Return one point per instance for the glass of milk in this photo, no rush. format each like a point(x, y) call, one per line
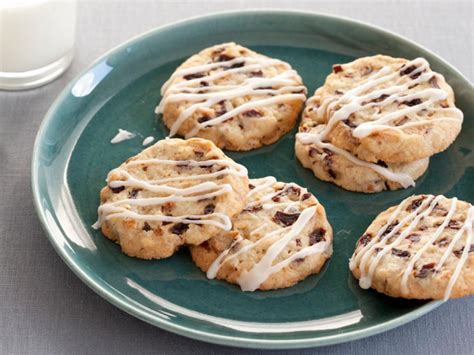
point(36, 41)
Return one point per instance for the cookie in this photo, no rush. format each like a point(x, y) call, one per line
point(281, 237)
point(423, 248)
point(173, 193)
point(235, 97)
point(386, 109)
point(333, 164)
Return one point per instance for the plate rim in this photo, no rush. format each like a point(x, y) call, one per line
point(111, 295)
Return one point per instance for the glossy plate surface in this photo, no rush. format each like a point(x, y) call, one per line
point(73, 155)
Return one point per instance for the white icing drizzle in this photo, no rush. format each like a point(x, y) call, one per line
point(403, 179)
point(361, 97)
point(148, 140)
point(251, 280)
point(260, 185)
point(466, 228)
point(366, 278)
point(282, 88)
point(122, 135)
point(202, 190)
point(433, 238)
point(379, 242)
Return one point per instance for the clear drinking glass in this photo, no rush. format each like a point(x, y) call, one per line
point(36, 41)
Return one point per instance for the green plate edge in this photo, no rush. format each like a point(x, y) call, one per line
point(114, 297)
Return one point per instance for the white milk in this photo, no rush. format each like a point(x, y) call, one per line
point(36, 41)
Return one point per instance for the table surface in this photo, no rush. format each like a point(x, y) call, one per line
point(46, 309)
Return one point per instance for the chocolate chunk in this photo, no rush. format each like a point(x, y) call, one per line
point(317, 236)
point(146, 227)
point(413, 102)
point(377, 250)
point(179, 228)
point(328, 152)
point(253, 209)
point(305, 196)
point(380, 98)
point(205, 245)
point(401, 121)
point(415, 204)
point(347, 122)
point(116, 190)
point(459, 252)
point(332, 173)
point(407, 70)
point(413, 237)
point(203, 119)
point(434, 82)
point(285, 219)
point(365, 239)
point(251, 187)
point(401, 253)
point(382, 163)
point(224, 58)
point(298, 242)
point(414, 76)
point(293, 190)
point(209, 208)
point(337, 68)
point(257, 73)
point(183, 164)
point(165, 223)
point(439, 211)
point(222, 110)
point(367, 70)
point(455, 224)
point(264, 88)
point(198, 153)
point(425, 271)
point(134, 193)
point(193, 76)
point(390, 228)
point(301, 91)
point(236, 65)
point(252, 113)
point(204, 83)
point(442, 242)
point(338, 92)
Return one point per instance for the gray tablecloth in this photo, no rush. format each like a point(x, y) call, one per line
point(45, 309)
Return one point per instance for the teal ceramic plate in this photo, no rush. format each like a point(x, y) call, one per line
point(73, 155)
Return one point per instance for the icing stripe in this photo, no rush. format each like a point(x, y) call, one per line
point(429, 242)
point(403, 179)
point(252, 279)
point(366, 277)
